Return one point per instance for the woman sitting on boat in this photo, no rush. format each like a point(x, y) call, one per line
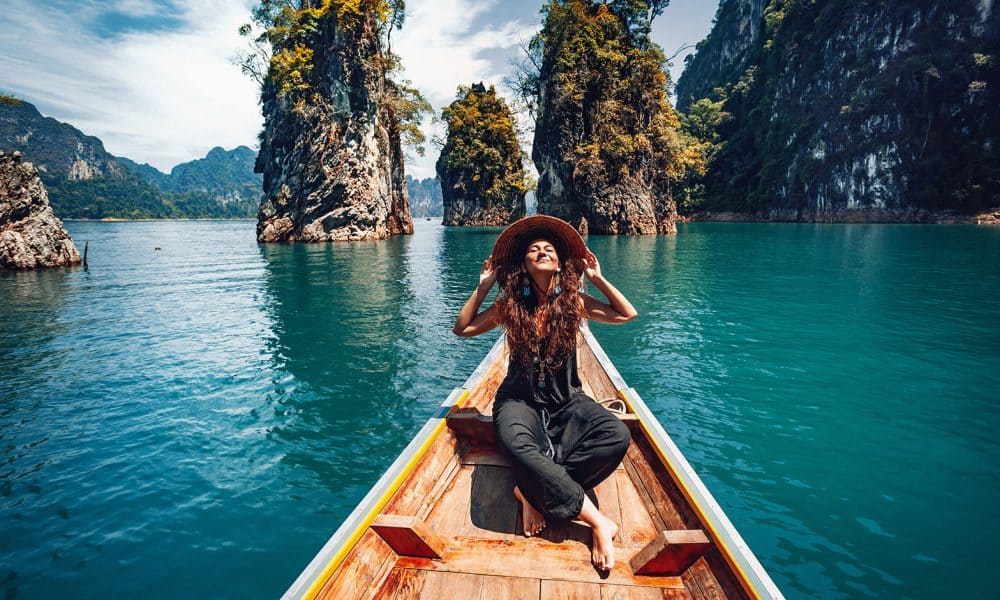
point(561, 441)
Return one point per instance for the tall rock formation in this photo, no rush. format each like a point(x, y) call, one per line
point(30, 234)
point(330, 151)
point(607, 142)
point(850, 109)
point(480, 169)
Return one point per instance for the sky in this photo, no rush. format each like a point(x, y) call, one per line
point(153, 79)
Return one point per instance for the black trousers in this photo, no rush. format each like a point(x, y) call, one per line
point(558, 455)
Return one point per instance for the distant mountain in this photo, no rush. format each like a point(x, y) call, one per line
point(86, 181)
point(425, 197)
point(226, 176)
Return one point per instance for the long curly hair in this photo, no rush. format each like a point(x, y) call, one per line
point(560, 316)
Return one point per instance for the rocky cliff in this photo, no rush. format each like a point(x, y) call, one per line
point(54, 147)
point(847, 110)
point(30, 234)
point(724, 54)
point(425, 197)
point(330, 151)
point(607, 142)
point(480, 169)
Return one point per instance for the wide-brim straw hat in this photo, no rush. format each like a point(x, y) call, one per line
point(509, 248)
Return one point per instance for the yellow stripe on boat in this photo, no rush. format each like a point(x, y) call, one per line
point(348, 545)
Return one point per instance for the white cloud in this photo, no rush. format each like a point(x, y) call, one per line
point(440, 51)
point(161, 97)
point(168, 96)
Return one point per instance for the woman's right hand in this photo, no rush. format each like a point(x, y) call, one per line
point(488, 275)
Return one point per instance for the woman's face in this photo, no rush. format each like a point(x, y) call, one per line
point(541, 257)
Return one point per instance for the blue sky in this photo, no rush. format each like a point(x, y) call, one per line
point(153, 79)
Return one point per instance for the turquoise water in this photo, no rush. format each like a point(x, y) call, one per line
point(196, 421)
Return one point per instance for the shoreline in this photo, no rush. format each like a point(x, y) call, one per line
point(874, 217)
point(870, 216)
point(120, 220)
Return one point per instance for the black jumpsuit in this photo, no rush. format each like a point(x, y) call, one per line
point(561, 441)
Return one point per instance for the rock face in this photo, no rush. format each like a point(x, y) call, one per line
point(482, 178)
point(55, 147)
point(330, 151)
point(738, 23)
point(846, 110)
point(30, 234)
point(425, 197)
point(607, 141)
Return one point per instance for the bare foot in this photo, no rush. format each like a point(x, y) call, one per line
point(532, 520)
point(603, 552)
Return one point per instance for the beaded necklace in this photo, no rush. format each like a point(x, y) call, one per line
point(546, 364)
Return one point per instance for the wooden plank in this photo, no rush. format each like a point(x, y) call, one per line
point(358, 571)
point(593, 373)
point(417, 584)
point(450, 515)
point(677, 595)
point(408, 536)
point(671, 508)
point(510, 588)
point(723, 575)
point(671, 553)
point(480, 503)
point(631, 592)
point(387, 590)
point(444, 480)
point(481, 396)
point(415, 491)
point(486, 455)
point(534, 558)
point(637, 527)
point(570, 590)
point(701, 583)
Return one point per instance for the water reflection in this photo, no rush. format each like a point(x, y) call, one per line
point(337, 321)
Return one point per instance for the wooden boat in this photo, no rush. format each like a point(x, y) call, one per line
point(443, 522)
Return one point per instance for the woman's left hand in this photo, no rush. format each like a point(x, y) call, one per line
point(593, 268)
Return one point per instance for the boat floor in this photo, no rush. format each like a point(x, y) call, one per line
point(481, 521)
point(460, 501)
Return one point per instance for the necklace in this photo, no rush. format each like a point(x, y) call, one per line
point(542, 367)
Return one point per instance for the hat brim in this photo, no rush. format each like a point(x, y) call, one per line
point(505, 249)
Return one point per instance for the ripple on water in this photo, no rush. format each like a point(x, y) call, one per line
point(219, 413)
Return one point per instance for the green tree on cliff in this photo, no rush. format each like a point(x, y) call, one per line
point(282, 36)
point(481, 163)
point(605, 119)
point(819, 91)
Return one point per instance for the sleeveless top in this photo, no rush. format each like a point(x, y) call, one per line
point(559, 384)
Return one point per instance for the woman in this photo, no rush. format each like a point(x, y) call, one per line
point(561, 441)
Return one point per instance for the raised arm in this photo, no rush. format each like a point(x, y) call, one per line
point(470, 321)
point(617, 309)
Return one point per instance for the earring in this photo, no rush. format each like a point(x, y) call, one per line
point(527, 287)
point(557, 289)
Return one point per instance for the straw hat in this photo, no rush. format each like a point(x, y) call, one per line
point(511, 245)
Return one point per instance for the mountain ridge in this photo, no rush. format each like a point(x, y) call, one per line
point(84, 180)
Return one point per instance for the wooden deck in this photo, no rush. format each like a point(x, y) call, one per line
point(453, 529)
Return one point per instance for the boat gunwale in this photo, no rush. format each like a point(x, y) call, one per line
point(748, 569)
point(343, 540)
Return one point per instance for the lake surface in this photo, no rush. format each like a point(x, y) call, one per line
point(196, 421)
